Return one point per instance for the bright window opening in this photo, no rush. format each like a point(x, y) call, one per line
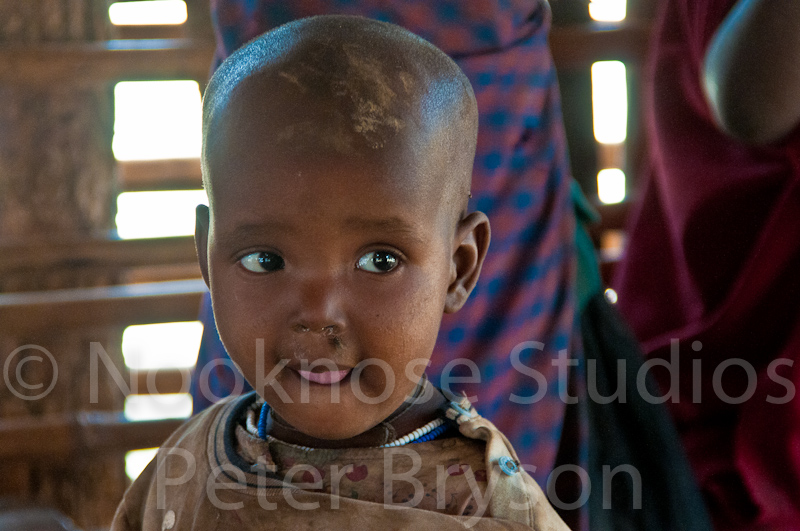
point(148, 12)
point(162, 345)
point(160, 406)
point(157, 120)
point(609, 102)
point(137, 460)
point(158, 214)
point(611, 185)
point(608, 10)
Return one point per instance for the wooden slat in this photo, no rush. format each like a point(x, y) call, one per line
point(164, 273)
point(165, 31)
point(97, 253)
point(161, 381)
point(156, 302)
point(173, 174)
point(61, 437)
point(613, 216)
point(99, 434)
point(100, 62)
point(580, 45)
point(92, 63)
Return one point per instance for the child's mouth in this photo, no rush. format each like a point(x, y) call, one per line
point(324, 378)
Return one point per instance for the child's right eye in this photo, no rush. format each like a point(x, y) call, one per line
point(262, 262)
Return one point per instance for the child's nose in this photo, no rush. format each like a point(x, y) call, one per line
point(319, 308)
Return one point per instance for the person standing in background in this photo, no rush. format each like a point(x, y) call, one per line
point(710, 272)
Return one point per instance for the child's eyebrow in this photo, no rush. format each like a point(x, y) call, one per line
point(391, 224)
point(257, 230)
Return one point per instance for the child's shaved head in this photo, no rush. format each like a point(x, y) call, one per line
point(337, 155)
point(347, 86)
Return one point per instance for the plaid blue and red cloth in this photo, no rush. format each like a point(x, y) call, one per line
point(521, 181)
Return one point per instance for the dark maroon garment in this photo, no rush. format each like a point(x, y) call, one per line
point(713, 262)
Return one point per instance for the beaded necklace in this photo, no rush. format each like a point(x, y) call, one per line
point(426, 433)
point(416, 435)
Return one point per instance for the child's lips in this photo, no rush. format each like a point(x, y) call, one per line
point(324, 378)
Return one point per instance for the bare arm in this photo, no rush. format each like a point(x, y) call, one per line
point(752, 70)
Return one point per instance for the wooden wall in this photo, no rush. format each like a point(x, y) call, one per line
point(60, 446)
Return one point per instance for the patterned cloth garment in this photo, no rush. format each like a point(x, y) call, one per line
point(521, 180)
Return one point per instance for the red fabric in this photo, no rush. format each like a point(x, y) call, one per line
point(714, 256)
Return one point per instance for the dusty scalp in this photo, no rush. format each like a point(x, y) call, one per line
point(377, 79)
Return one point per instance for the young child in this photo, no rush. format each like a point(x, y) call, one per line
point(337, 158)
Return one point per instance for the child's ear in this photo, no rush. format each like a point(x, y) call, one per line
point(469, 250)
point(201, 239)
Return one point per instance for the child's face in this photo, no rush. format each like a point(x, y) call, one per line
point(348, 259)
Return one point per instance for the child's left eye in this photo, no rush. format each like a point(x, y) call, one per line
point(262, 262)
point(378, 262)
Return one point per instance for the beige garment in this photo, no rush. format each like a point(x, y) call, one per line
point(205, 478)
point(453, 486)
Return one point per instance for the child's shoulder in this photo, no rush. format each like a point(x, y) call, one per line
point(180, 469)
point(512, 493)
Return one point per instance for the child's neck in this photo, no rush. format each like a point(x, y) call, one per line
point(407, 418)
